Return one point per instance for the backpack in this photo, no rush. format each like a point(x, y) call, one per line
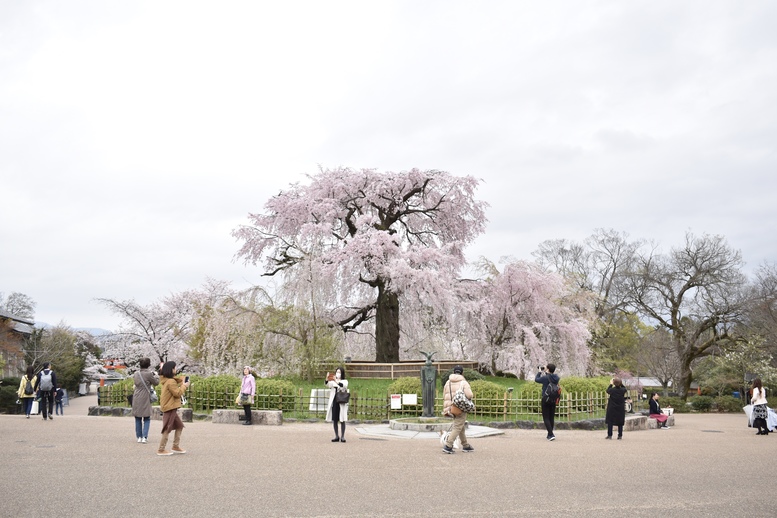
point(45, 381)
point(552, 392)
point(28, 390)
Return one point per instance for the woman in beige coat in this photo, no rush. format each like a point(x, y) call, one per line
point(456, 381)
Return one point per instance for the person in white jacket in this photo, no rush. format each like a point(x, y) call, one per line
point(760, 410)
point(337, 412)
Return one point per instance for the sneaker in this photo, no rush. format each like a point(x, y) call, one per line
point(144, 440)
point(164, 452)
point(140, 439)
point(552, 438)
point(176, 449)
point(665, 427)
point(447, 449)
point(468, 449)
point(620, 437)
point(51, 417)
point(608, 437)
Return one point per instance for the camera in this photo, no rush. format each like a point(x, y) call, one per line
point(540, 367)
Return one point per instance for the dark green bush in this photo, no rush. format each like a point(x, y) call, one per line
point(701, 403)
point(8, 395)
point(676, 403)
point(270, 392)
point(728, 404)
point(469, 374)
point(406, 385)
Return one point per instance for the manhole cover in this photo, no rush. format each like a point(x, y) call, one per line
point(371, 439)
point(712, 431)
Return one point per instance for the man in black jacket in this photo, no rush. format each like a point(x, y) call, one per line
point(46, 385)
point(549, 406)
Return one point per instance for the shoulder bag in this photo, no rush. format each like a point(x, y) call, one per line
point(342, 396)
point(461, 401)
point(151, 393)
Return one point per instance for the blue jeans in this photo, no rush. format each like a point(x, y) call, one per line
point(142, 424)
point(27, 405)
point(58, 408)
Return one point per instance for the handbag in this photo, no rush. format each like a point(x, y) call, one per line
point(151, 393)
point(453, 410)
point(461, 401)
point(342, 397)
point(243, 399)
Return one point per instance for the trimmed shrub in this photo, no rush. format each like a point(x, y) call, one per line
point(679, 406)
point(405, 385)
point(728, 404)
point(701, 403)
point(8, 395)
point(270, 392)
point(469, 374)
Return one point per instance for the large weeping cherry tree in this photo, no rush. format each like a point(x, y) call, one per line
point(381, 238)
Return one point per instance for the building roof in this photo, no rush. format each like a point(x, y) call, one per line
point(20, 324)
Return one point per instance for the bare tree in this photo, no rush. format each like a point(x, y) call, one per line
point(696, 293)
point(600, 265)
point(19, 304)
point(657, 357)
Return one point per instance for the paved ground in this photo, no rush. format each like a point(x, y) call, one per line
point(707, 465)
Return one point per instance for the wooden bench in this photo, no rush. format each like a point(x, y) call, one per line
point(234, 416)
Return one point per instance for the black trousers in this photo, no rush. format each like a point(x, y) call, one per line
point(609, 429)
point(46, 403)
point(549, 416)
point(336, 418)
point(247, 410)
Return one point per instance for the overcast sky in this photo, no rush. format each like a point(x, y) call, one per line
point(134, 136)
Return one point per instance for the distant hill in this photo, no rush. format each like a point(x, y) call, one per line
point(94, 331)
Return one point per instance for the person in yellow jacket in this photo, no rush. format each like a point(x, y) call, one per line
point(25, 397)
point(173, 387)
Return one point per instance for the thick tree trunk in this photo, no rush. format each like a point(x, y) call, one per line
point(387, 327)
point(686, 376)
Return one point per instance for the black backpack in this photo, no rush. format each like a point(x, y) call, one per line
point(28, 390)
point(552, 392)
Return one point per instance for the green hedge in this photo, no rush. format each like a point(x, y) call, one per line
point(270, 392)
point(728, 404)
point(8, 395)
point(701, 403)
point(469, 374)
point(406, 385)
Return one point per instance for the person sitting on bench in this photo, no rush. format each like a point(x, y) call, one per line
point(655, 412)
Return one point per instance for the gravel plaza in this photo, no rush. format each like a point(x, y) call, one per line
point(709, 465)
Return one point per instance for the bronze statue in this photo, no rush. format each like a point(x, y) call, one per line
point(428, 385)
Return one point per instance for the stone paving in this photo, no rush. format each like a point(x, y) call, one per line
point(79, 465)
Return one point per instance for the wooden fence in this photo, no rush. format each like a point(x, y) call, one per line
point(376, 405)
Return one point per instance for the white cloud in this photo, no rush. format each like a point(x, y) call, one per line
point(134, 137)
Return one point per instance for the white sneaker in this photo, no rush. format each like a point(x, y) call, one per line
point(144, 440)
point(140, 439)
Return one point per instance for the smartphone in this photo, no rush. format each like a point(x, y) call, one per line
point(186, 379)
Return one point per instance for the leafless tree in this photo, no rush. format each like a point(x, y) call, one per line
point(696, 292)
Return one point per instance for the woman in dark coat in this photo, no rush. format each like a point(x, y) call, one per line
point(616, 407)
